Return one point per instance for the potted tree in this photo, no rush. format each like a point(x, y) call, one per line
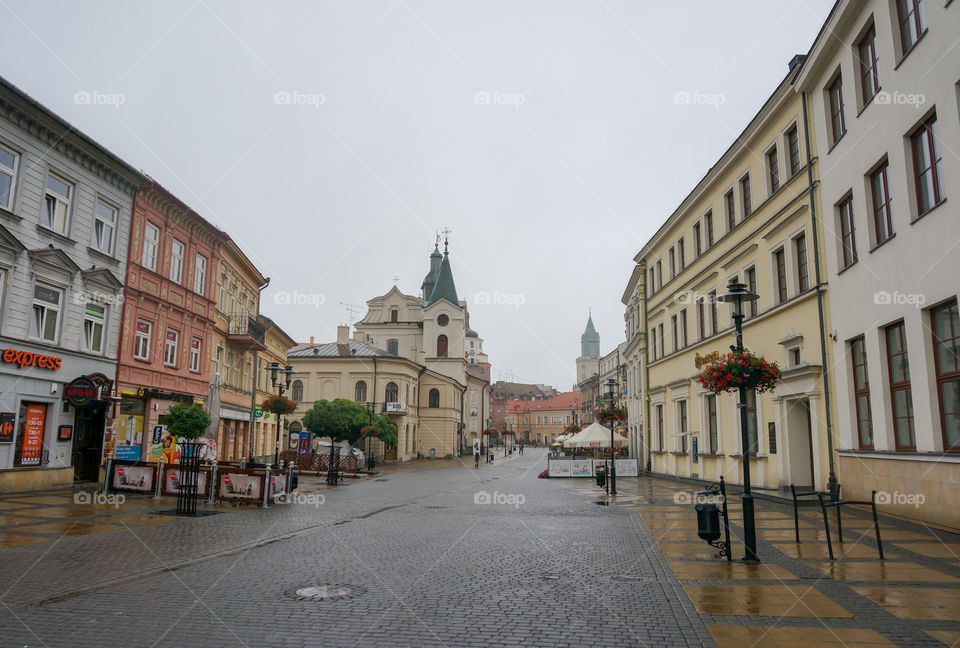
point(188, 421)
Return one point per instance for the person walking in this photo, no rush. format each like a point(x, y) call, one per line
point(476, 458)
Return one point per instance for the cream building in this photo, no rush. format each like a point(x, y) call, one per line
point(634, 365)
point(276, 344)
point(753, 217)
point(882, 81)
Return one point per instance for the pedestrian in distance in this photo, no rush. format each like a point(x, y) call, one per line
point(476, 459)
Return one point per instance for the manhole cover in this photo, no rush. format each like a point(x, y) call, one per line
point(328, 592)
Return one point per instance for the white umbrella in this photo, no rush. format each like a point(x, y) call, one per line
point(594, 436)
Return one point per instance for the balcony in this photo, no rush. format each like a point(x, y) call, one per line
point(246, 334)
point(394, 408)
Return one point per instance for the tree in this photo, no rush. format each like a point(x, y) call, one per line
point(339, 419)
point(386, 430)
point(187, 420)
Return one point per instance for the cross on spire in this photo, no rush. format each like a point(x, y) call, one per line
point(446, 239)
point(396, 280)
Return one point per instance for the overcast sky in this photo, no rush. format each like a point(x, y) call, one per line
point(333, 139)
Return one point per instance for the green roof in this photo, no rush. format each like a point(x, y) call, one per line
point(444, 288)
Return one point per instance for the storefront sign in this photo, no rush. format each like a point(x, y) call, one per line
point(26, 359)
point(32, 448)
point(64, 432)
point(127, 453)
point(6, 426)
point(150, 392)
point(257, 413)
point(707, 358)
point(80, 392)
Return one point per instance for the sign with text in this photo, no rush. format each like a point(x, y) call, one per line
point(33, 424)
point(80, 392)
point(7, 420)
point(127, 453)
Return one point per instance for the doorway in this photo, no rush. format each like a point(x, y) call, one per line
point(799, 443)
point(87, 452)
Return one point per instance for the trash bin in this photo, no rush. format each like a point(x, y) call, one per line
point(708, 521)
point(491, 456)
point(601, 475)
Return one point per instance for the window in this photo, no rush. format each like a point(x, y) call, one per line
point(296, 390)
point(697, 249)
point(8, 174)
point(674, 332)
point(141, 343)
point(151, 235)
point(912, 23)
point(928, 169)
point(176, 261)
point(441, 346)
point(659, 410)
point(56, 214)
point(393, 347)
point(712, 298)
point(780, 267)
point(195, 345)
point(433, 399)
point(731, 210)
point(745, 196)
point(800, 250)
point(848, 237)
point(793, 150)
point(869, 76)
point(683, 328)
point(46, 313)
point(660, 339)
point(681, 255)
point(712, 436)
point(200, 275)
point(837, 124)
point(753, 442)
point(170, 348)
point(708, 223)
point(861, 393)
point(750, 275)
point(94, 318)
point(653, 343)
point(946, 353)
point(682, 425)
point(395, 316)
point(105, 222)
point(880, 191)
point(672, 264)
point(701, 320)
point(901, 396)
point(773, 169)
point(360, 391)
point(392, 393)
point(652, 284)
point(659, 275)
point(222, 298)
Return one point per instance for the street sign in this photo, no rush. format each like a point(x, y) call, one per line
point(257, 413)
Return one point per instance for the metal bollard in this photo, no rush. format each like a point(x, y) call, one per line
point(211, 487)
point(289, 488)
point(266, 487)
point(106, 477)
point(159, 488)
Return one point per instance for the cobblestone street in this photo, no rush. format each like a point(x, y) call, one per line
point(442, 554)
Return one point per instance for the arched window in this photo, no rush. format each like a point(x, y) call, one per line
point(360, 391)
point(393, 393)
point(434, 398)
point(442, 346)
point(296, 391)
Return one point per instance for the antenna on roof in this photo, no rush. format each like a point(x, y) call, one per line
point(352, 311)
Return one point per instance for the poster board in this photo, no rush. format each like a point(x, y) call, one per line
point(34, 421)
point(581, 468)
point(240, 487)
point(134, 479)
point(559, 468)
point(626, 467)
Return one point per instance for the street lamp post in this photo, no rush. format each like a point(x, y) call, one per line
point(611, 396)
point(371, 409)
point(736, 295)
point(284, 384)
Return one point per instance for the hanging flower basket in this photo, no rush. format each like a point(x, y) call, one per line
point(611, 413)
point(740, 369)
point(278, 405)
point(369, 430)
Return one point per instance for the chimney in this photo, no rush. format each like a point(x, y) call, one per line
point(311, 340)
point(343, 335)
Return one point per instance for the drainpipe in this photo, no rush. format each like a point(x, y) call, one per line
point(832, 479)
point(460, 424)
point(646, 369)
point(254, 377)
point(373, 391)
point(419, 398)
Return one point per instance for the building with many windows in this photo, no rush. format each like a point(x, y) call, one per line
point(883, 79)
point(542, 421)
point(752, 218)
point(65, 210)
point(168, 324)
point(634, 364)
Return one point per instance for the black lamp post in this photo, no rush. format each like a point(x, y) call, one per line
point(371, 410)
point(736, 295)
point(612, 396)
point(284, 384)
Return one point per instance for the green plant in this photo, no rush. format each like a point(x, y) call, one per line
point(187, 420)
point(278, 405)
point(740, 369)
point(611, 413)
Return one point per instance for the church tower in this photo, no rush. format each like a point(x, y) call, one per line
point(436, 259)
point(590, 340)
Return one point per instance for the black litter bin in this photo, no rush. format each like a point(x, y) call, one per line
point(708, 521)
point(601, 477)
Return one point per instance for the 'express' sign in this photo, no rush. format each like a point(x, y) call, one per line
point(27, 359)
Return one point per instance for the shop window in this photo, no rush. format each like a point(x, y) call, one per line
point(31, 425)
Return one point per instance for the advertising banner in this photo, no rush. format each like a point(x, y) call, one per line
point(127, 453)
point(240, 486)
point(560, 468)
point(32, 446)
point(626, 467)
point(171, 482)
point(133, 478)
point(581, 468)
point(6, 427)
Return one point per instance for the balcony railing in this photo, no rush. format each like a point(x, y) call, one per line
point(394, 408)
point(246, 330)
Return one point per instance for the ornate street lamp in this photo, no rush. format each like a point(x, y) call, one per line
point(285, 374)
point(612, 396)
point(736, 295)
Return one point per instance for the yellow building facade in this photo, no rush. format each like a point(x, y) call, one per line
point(752, 218)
